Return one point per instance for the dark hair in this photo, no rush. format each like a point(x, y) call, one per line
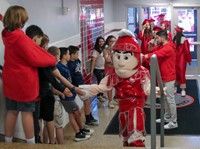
point(177, 38)
point(34, 30)
point(63, 51)
point(15, 18)
point(53, 50)
point(109, 38)
point(162, 33)
point(73, 49)
point(97, 47)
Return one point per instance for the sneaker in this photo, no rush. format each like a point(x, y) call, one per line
point(101, 98)
point(80, 137)
point(171, 125)
point(87, 131)
point(165, 120)
point(92, 122)
point(183, 93)
point(111, 105)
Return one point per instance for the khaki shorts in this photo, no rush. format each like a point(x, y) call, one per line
point(58, 114)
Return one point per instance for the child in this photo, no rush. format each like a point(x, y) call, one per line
point(74, 66)
point(98, 62)
point(107, 53)
point(45, 77)
point(22, 59)
point(69, 103)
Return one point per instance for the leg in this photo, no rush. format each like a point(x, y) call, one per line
point(73, 123)
point(45, 135)
point(36, 122)
point(28, 126)
point(10, 122)
point(59, 135)
point(50, 131)
point(110, 104)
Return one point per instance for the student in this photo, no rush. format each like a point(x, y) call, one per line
point(98, 62)
point(74, 66)
point(166, 55)
point(165, 25)
point(22, 59)
point(183, 56)
point(45, 77)
point(107, 54)
point(69, 103)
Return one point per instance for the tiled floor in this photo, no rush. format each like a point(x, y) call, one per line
point(99, 140)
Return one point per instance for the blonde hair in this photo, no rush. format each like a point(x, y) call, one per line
point(15, 18)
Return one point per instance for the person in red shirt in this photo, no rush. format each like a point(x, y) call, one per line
point(22, 58)
point(183, 56)
point(166, 56)
point(165, 25)
point(145, 35)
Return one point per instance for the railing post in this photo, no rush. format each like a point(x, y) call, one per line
point(153, 101)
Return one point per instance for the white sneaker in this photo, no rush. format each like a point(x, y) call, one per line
point(111, 105)
point(171, 125)
point(165, 120)
point(183, 93)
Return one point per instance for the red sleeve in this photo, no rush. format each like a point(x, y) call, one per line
point(140, 36)
point(163, 51)
point(186, 47)
point(33, 54)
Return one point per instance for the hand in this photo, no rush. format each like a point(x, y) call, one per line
point(62, 96)
point(67, 92)
point(79, 91)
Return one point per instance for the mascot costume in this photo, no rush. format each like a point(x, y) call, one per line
point(132, 85)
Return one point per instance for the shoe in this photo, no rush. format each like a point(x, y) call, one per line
point(87, 131)
point(183, 93)
point(111, 105)
point(171, 125)
point(80, 137)
point(101, 98)
point(165, 120)
point(92, 122)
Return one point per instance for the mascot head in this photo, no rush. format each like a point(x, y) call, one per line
point(126, 56)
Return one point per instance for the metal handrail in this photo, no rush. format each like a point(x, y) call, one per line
point(156, 77)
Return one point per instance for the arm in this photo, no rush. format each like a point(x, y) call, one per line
point(186, 47)
point(33, 54)
point(62, 79)
point(51, 78)
point(94, 89)
point(57, 92)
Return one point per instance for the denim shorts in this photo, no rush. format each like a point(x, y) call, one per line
point(20, 106)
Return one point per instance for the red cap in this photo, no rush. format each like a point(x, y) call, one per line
point(157, 29)
point(161, 16)
point(126, 42)
point(146, 21)
point(178, 29)
point(1, 17)
point(151, 20)
point(167, 23)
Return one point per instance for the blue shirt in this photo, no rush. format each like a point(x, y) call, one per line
point(64, 70)
point(75, 71)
